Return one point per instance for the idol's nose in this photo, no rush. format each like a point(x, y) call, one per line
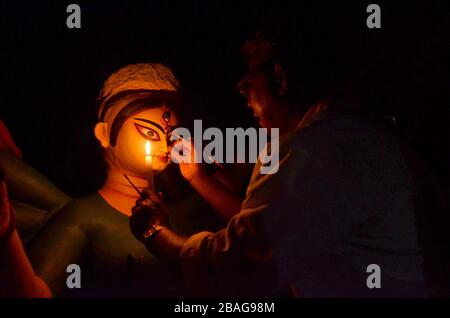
point(162, 149)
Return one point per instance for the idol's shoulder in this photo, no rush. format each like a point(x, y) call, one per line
point(88, 211)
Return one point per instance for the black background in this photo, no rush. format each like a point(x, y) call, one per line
point(51, 75)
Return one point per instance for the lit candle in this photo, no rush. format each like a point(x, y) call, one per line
point(148, 164)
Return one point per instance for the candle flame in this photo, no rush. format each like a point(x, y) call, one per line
point(147, 148)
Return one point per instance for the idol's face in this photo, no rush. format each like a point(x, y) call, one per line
point(153, 125)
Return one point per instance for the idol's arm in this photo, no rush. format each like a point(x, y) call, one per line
point(17, 278)
point(61, 242)
point(16, 274)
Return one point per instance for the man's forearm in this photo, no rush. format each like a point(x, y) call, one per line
point(166, 245)
point(221, 199)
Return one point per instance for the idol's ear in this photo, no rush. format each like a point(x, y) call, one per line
point(101, 133)
point(281, 79)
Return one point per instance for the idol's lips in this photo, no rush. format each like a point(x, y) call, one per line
point(163, 157)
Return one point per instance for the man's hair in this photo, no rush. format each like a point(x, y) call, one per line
point(310, 74)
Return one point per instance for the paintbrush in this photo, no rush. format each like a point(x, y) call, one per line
point(141, 193)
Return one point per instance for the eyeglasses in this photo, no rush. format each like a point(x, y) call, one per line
point(244, 85)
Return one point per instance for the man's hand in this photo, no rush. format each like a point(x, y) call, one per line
point(189, 170)
point(215, 192)
point(147, 212)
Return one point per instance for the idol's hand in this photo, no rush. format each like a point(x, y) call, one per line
point(147, 212)
point(7, 220)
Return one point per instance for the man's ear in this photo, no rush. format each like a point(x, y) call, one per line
point(101, 133)
point(281, 79)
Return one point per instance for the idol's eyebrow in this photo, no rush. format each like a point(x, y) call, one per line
point(151, 122)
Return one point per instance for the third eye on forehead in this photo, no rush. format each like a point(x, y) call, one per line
point(148, 121)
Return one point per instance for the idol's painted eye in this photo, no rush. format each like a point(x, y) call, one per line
point(166, 117)
point(147, 133)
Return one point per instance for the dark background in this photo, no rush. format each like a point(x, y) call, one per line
point(51, 75)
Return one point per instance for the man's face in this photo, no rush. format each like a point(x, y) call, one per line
point(260, 97)
point(148, 125)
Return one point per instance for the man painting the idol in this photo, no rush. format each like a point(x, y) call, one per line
point(348, 195)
